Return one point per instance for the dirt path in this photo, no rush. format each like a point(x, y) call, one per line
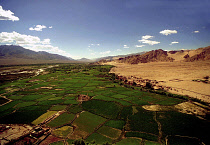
point(159, 128)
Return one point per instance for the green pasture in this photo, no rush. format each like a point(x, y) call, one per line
point(119, 124)
point(34, 108)
point(129, 141)
point(63, 131)
point(24, 104)
point(43, 117)
point(57, 143)
point(151, 143)
point(175, 123)
point(75, 109)
point(88, 122)
point(102, 108)
point(50, 102)
point(109, 132)
point(14, 97)
point(64, 118)
point(9, 105)
point(146, 136)
point(98, 139)
point(21, 117)
point(58, 107)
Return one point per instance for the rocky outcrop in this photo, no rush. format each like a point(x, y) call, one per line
point(151, 56)
point(204, 55)
point(145, 83)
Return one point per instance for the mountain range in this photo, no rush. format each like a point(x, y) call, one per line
point(16, 55)
point(7, 51)
point(200, 54)
point(13, 55)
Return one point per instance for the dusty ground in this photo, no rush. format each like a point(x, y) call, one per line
point(177, 75)
point(14, 132)
point(185, 107)
point(50, 139)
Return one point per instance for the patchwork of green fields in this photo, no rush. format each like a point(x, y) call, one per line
point(114, 113)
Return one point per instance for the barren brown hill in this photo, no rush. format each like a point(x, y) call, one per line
point(200, 54)
point(151, 56)
point(204, 55)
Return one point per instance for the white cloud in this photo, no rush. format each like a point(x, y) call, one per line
point(139, 45)
point(94, 45)
point(147, 37)
point(146, 41)
point(29, 42)
point(174, 43)
point(46, 41)
point(105, 52)
point(7, 15)
point(168, 32)
point(119, 50)
point(51, 27)
point(6, 37)
point(37, 28)
point(125, 46)
point(150, 42)
point(196, 31)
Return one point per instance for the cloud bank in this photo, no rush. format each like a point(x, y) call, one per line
point(168, 32)
point(146, 41)
point(29, 42)
point(196, 31)
point(139, 45)
point(125, 46)
point(174, 42)
point(38, 28)
point(7, 15)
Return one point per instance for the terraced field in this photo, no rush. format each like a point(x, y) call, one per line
point(113, 113)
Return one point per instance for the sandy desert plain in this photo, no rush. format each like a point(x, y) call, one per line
point(177, 75)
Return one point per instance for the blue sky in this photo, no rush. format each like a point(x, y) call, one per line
point(97, 28)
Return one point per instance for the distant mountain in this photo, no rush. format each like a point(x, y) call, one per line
point(20, 55)
point(84, 60)
point(20, 52)
point(110, 58)
point(202, 56)
point(151, 56)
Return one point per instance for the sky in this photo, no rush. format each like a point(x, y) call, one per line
point(99, 28)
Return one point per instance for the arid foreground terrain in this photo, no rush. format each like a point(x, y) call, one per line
point(175, 77)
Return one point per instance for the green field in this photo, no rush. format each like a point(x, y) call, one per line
point(129, 141)
point(98, 139)
point(63, 131)
point(103, 108)
point(88, 122)
point(43, 117)
point(109, 132)
point(112, 110)
point(61, 120)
